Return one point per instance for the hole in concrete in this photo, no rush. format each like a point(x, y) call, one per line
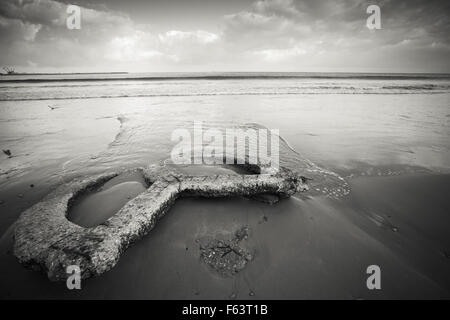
point(97, 204)
point(210, 170)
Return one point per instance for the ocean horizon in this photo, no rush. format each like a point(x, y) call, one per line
point(84, 86)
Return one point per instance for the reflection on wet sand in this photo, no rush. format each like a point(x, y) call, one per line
point(313, 248)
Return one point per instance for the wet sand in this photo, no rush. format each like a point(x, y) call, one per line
point(303, 247)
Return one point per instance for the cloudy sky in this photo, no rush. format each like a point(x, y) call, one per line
point(225, 35)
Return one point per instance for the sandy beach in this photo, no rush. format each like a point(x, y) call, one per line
point(303, 249)
point(388, 152)
point(224, 159)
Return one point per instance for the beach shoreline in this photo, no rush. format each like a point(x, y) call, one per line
point(379, 165)
point(322, 251)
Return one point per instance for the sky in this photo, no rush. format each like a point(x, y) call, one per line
point(225, 35)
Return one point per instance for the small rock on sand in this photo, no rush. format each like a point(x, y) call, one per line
point(241, 234)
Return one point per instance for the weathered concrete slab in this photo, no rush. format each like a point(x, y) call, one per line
point(46, 240)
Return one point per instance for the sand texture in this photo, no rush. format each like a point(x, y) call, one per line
point(45, 240)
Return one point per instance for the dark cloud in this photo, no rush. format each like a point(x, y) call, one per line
point(230, 35)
